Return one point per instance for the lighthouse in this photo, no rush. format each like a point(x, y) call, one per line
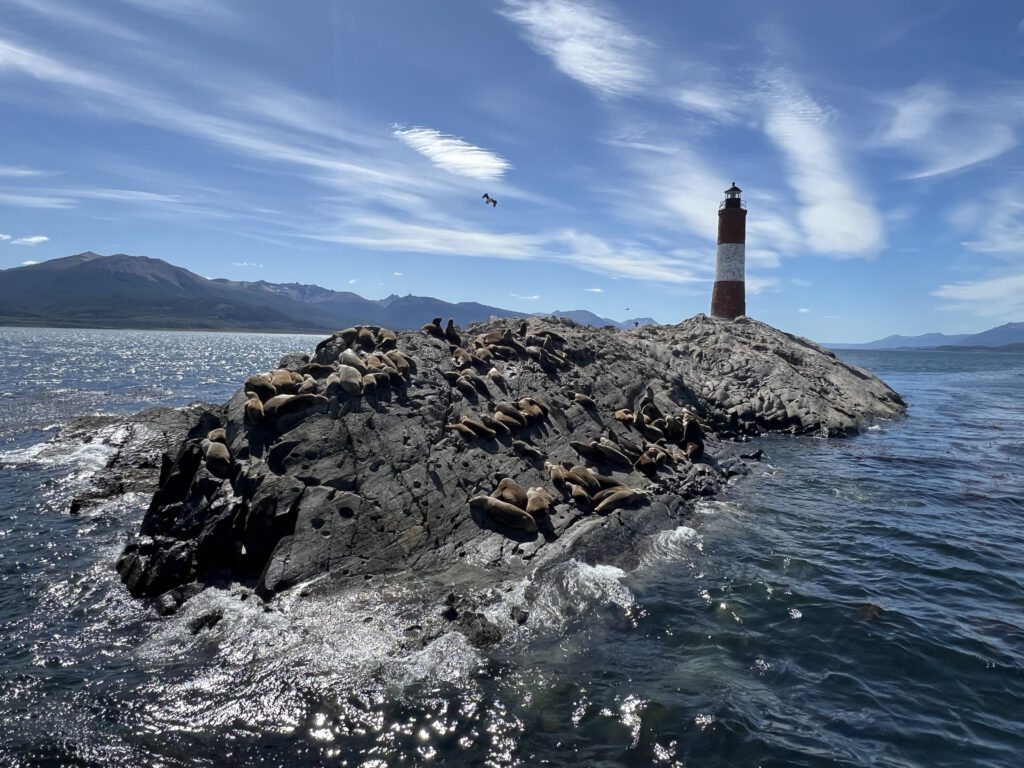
point(728, 299)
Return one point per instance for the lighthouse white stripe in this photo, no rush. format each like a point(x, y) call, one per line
point(729, 262)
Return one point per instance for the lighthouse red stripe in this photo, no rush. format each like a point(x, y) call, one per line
point(732, 225)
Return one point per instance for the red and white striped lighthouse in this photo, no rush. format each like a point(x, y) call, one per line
point(728, 299)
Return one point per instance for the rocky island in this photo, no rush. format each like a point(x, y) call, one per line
point(503, 448)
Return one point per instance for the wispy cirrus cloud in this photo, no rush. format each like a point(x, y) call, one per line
point(609, 258)
point(594, 290)
point(29, 263)
point(19, 200)
point(453, 154)
point(836, 216)
point(1001, 296)
point(13, 171)
point(34, 240)
point(4, 238)
point(947, 132)
point(585, 42)
point(246, 264)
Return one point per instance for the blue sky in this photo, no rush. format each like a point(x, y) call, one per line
point(348, 144)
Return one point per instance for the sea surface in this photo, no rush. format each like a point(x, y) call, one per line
point(855, 602)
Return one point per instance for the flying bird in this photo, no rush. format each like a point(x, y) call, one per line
point(488, 199)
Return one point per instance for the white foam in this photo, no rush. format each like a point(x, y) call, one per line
point(671, 546)
point(573, 587)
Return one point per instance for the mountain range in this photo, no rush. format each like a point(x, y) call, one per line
point(88, 290)
point(1004, 335)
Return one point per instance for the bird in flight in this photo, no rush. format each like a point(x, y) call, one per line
point(488, 199)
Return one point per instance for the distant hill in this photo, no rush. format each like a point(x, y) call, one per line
point(93, 291)
point(1010, 333)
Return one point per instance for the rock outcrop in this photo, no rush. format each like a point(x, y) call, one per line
point(506, 445)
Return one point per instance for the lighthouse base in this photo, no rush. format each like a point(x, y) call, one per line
point(728, 299)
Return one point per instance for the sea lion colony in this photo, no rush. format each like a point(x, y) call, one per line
point(387, 451)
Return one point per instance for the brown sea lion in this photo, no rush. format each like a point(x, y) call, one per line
point(253, 408)
point(504, 513)
point(524, 448)
point(539, 503)
point(511, 491)
point(452, 334)
point(618, 499)
point(585, 401)
point(481, 429)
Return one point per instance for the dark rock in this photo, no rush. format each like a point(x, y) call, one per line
point(374, 484)
point(207, 620)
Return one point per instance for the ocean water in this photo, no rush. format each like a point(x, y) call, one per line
point(853, 603)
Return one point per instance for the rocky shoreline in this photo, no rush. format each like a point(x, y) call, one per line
point(506, 448)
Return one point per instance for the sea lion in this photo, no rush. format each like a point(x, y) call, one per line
point(511, 412)
point(350, 379)
point(386, 339)
point(434, 328)
point(495, 375)
point(585, 401)
point(218, 459)
point(348, 335)
point(586, 450)
point(523, 448)
point(623, 415)
point(531, 411)
point(523, 328)
point(253, 408)
point(218, 435)
point(297, 408)
point(618, 499)
point(556, 473)
point(478, 427)
point(693, 436)
point(613, 454)
point(584, 477)
point(498, 427)
point(503, 351)
point(452, 334)
point(463, 430)
point(604, 493)
point(309, 386)
point(400, 361)
point(282, 382)
point(465, 386)
point(260, 385)
point(579, 495)
point(349, 357)
point(316, 370)
point(511, 491)
point(365, 338)
point(369, 382)
point(270, 407)
point(491, 338)
point(483, 354)
point(511, 424)
point(504, 513)
point(537, 404)
point(538, 503)
point(478, 384)
point(460, 357)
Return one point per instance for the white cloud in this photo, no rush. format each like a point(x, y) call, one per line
point(803, 310)
point(565, 246)
point(13, 171)
point(594, 290)
point(35, 201)
point(585, 42)
point(454, 155)
point(246, 264)
point(835, 215)
point(996, 297)
point(34, 240)
point(801, 282)
point(948, 132)
point(397, 274)
point(353, 281)
point(28, 263)
point(4, 238)
point(529, 298)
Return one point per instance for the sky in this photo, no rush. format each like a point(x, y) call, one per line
point(348, 144)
